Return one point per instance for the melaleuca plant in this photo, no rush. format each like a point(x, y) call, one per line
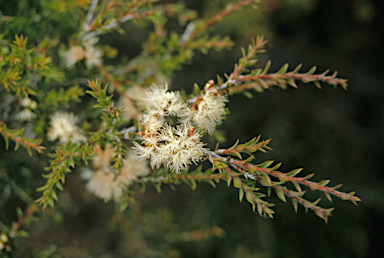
point(134, 130)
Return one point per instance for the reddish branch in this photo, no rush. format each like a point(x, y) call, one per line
point(303, 181)
point(31, 209)
point(22, 140)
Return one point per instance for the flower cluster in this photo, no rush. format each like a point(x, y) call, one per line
point(91, 55)
point(64, 128)
point(175, 147)
point(107, 183)
point(27, 114)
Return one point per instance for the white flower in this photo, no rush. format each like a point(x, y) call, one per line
point(103, 185)
point(162, 103)
point(92, 56)
point(174, 147)
point(63, 127)
point(143, 152)
point(152, 123)
point(182, 146)
point(132, 169)
point(25, 115)
point(107, 183)
point(28, 103)
point(210, 111)
point(74, 54)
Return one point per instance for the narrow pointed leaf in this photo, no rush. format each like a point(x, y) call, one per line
point(280, 194)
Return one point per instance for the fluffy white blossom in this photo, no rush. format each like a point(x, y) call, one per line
point(209, 112)
point(25, 115)
point(103, 185)
point(173, 147)
point(107, 183)
point(64, 128)
point(162, 103)
point(73, 55)
point(152, 123)
point(87, 51)
point(92, 56)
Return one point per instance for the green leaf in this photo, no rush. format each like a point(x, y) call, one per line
point(294, 202)
point(247, 94)
point(283, 69)
point(123, 206)
point(191, 183)
point(294, 172)
point(328, 196)
point(42, 188)
point(280, 194)
point(276, 166)
point(324, 182)
point(158, 187)
point(264, 180)
point(267, 66)
point(209, 181)
point(236, 182)
point(19, 213)
point(297, 68)
point(229, 179)
point(265, 164)
point(59, 186)
point(297, 186)
point(317, 84)
point(22, 233)
point(292, 82)
point(312, 71)
point(256, 72)
point(260, 209)
point(241, 194)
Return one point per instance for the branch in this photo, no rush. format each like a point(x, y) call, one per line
point(62, 162)
point(244, 174)
point(25, 142)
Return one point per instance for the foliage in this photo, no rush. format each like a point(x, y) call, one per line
point(44, 78)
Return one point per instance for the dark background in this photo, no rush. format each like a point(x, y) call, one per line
point(333, 133)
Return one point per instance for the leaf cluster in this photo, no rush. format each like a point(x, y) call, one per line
point(245, 175)
point(163, 176)
point(243, 79)
point(18, 66)
point(62, 162)
point(17, 136)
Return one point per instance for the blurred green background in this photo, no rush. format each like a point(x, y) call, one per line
point(336, 134)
